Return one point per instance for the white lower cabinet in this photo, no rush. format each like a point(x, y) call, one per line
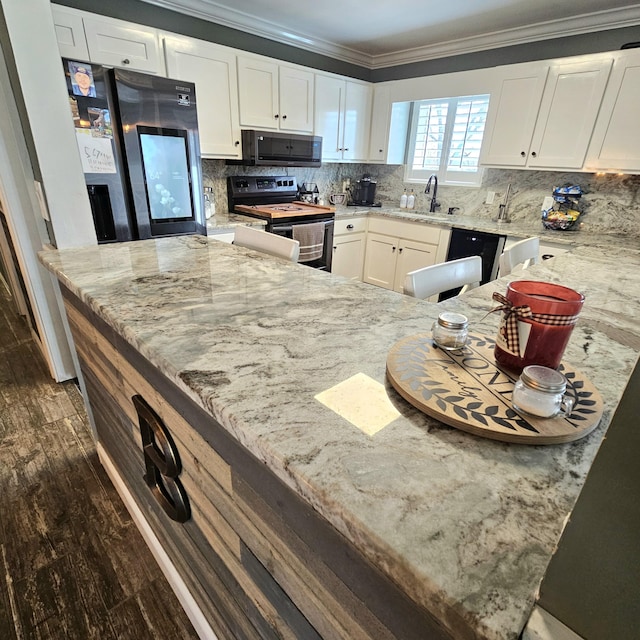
point(349, 238)
point(395, 248)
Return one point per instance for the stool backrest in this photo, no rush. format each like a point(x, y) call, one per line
point(523, 252)
point(267, 243)
point(429, 281)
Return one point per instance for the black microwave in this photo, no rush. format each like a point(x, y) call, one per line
point(277, 149)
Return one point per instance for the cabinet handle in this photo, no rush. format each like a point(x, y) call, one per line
point(393, 249)
point(400, 250)
point(126, 61)
point(349, 226)
point(380, 150)
point(237, 143)
point(334, 248)
point(284, 117)
point(346, 149)
point(522, 154)
point(276, 116)
point(534, 154)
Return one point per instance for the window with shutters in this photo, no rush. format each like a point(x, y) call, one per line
point(445, 138)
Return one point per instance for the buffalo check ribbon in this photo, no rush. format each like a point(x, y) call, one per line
point(512, 314)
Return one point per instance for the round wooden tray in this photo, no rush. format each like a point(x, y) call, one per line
point(467, 390)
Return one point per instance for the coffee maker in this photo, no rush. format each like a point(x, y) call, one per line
point(362, 193)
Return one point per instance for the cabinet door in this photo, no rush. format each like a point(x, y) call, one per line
point(258, 93)
point(512, 118)
point(411, 256)
point(296, 100)
point(348, 256)
point(568, 112)
point(357, 122)
point(380, 260)
point(69, 33)
point(380, 123)
point(118, 44)
point(213, 69)
point(616, 138)
point(328, 119)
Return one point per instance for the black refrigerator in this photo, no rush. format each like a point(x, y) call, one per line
point(137, 135)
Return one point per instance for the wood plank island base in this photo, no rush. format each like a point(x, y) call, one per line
point(281, 516)
point(258, 561)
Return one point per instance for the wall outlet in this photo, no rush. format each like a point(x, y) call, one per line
point(547, 203)
point(490, 197)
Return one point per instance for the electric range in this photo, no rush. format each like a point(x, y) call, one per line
point(273, 199)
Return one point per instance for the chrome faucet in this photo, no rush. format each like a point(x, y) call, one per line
point(503, 212)
point(427, 189)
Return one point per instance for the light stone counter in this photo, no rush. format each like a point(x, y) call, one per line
point(465, 525)
point(605, 238)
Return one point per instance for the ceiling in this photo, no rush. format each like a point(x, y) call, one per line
point(381, 33)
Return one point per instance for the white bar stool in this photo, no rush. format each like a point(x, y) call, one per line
point(429, 281)
point(267, 243)
point(524, 252)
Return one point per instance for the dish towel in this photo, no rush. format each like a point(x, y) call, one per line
point(311, 239)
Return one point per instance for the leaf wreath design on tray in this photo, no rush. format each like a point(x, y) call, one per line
point(582, 399)
point(411, 361)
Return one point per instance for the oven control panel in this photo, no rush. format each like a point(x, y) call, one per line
point(250, 185)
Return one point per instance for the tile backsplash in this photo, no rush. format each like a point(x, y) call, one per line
point(610, 202)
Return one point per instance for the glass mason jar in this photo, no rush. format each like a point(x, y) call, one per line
point(450, 331)
point(540, 392)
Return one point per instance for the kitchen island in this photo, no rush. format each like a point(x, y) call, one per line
point(403, 528)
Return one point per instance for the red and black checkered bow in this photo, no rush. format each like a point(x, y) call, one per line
point(513, 314)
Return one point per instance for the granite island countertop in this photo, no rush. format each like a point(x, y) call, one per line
point(465, 525)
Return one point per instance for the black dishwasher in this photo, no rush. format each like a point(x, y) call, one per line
point(465, 243)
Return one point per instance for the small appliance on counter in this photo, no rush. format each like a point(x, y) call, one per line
point(309, 192)
point(362, 194)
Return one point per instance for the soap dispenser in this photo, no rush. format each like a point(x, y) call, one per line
point(411, 200)
point(403, 200)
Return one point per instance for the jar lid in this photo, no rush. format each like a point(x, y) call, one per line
point(543, 378)
point(452, 320)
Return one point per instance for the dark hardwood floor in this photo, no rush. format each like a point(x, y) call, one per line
point(72, 563)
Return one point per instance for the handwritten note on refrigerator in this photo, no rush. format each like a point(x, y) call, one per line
point(96, 153)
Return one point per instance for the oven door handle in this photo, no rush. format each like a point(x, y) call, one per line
point(289, 227)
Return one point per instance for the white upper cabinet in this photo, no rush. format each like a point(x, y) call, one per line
point(107, 41)
point(70, 33)
point(615, 144)
point(213, 69)
point(568, 112)
point(274, 96)
point(380, 123)
point(343, 118)
point(543, 117)
point(513, 111)
point(119, 44)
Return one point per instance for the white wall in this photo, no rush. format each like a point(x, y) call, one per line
point(28, 233)
point(37, 61)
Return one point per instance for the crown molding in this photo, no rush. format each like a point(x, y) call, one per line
point(587, 23)
point(578, 25)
